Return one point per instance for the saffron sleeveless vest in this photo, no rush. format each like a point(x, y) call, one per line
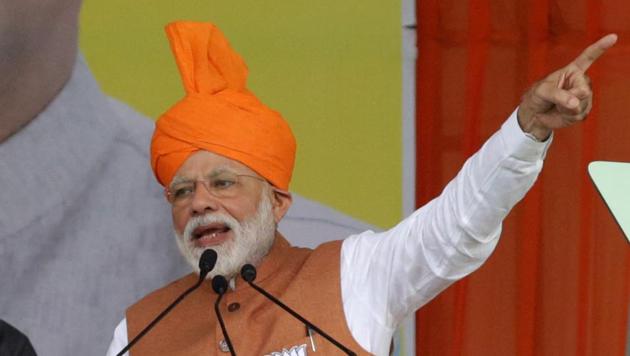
point(306, 280)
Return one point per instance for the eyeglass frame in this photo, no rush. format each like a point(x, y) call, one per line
point(206, 183)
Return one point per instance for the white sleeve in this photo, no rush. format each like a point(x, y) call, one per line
point(120, 339)
point(386, 276)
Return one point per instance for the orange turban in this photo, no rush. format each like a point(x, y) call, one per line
point(218, 113)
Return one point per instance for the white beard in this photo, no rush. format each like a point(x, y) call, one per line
point(252, 240)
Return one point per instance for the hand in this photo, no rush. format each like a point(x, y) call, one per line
point(564, 97)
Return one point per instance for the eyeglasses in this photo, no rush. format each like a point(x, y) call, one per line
point(221, 185)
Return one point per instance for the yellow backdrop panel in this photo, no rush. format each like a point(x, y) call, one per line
point(332, 68)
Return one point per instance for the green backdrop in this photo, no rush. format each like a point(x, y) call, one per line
point(332, 68)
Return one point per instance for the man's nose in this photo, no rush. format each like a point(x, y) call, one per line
point(202, 200)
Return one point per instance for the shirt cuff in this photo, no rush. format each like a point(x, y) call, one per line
point(519, 145)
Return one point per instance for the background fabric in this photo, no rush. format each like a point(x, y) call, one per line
point(558, 283)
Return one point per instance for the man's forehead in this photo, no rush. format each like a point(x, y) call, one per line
point(204, 162)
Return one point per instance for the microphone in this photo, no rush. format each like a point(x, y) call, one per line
point(206, 263)
point(248, 273)
point(219, 285)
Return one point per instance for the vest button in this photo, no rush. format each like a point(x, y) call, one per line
point(223, 346)
point(234, 307)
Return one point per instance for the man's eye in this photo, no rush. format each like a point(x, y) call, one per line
point(223, 183)
point(182, 192)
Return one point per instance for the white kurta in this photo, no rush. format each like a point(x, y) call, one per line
point(388, 275)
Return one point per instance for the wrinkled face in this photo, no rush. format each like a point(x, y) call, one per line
point(235, 217)
point(203, 165)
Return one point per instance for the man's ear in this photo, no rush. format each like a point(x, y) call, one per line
point(281, 201)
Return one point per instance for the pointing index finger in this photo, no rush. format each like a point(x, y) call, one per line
point(594, 51)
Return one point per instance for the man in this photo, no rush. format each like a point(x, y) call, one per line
point(226, 161)
point(80, 213)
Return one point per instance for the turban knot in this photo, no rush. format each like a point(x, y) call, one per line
point(218, 113)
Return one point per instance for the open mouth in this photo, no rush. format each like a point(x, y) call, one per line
point(210, 234)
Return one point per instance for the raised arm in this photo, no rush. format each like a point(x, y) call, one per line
point(385, 276)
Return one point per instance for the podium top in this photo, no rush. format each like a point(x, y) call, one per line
point(612, 180)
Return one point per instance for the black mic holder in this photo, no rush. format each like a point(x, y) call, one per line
point(248, 273)
point(219, 285)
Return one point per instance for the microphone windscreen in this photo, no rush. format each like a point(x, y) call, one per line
point(219, 284)
point(248, 273)
point(207, 261)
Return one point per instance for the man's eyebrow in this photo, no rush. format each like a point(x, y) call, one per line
point(179, 179)
point(215, 172)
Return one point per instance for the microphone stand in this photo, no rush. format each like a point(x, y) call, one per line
point(248, 273)
point(219, 284)
point(206, 264)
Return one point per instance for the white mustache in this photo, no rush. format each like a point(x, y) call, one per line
point(207, 219)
